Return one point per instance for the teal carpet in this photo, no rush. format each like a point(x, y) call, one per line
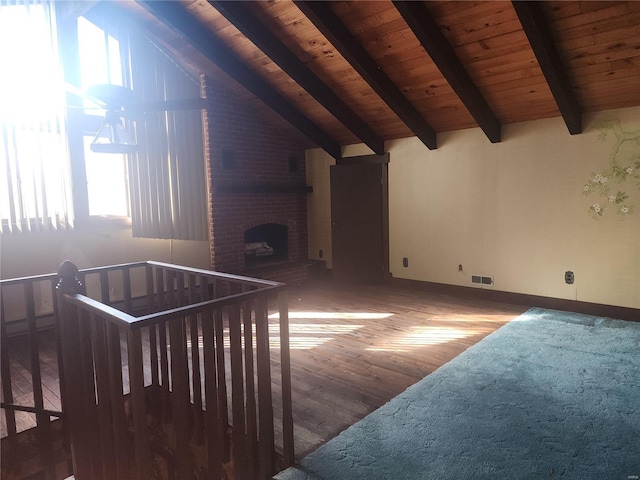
point(549, 395)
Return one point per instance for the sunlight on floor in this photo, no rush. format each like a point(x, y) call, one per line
point(308, 335)
point(303, 336)
point(474, 318)
point(424, 336)
point(334, 315)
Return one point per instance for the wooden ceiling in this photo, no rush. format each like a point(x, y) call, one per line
point(369, 71)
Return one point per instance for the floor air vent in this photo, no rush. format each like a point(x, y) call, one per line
point(481, 280)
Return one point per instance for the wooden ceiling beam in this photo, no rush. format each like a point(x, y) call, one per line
point(330, 25)
point(539, 34)
point(436, 45)
point(182, 23)
point(252, 28)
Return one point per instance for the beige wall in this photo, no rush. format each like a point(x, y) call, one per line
point(513, 210)
point(319, 204)
point(102, 244)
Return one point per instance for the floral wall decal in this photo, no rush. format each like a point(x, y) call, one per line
point(615, 186)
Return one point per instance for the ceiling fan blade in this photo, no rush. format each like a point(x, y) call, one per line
point(82, 107)
point(166, 105)
point(78, 92)
point(116, 98)
point(111, 97)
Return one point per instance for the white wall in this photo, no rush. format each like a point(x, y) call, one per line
point(514, 210)
point(101, 244)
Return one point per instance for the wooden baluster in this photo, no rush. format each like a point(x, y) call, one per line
point(138, 404)
point(155, 403)
point(203, 289)
point(66, 439)
point(155, 392)
point(285, 371)
point(89, 390)
point(74, 409)
point(170, 294)
point(150, 291)
point(161, 305)
point(103, 390)
point(114, 356)
point(265, 400)
point(214, 429)
point(126, 290)
point(223, 409)
point(34, 353)
point(180, 301)
point(162, 341)
point(196, 382)
point(215, 285)
point(180, 297)
point(252, 427)
point(172, 298)
point(7, 389)
point(180, 397)
point(239, 450)
point(164, 372)
point(104, 287)
point(5, 371)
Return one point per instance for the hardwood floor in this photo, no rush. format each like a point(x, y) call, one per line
point(352, 350)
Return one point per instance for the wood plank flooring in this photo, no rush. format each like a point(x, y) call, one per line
point(352, 350)
point(355, 348)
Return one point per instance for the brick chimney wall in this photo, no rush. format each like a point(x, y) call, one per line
point(256, 175)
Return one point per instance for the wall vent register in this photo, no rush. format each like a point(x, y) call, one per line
point(482, 280)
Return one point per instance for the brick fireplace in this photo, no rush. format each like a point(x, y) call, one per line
point(258, 191)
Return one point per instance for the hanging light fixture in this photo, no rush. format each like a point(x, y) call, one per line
point(112, 136)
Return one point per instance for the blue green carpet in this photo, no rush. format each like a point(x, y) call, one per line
point(549, 395)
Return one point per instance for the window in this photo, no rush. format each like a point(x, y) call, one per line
point(99, 56)
point(45, 131)
point(35, 192)
point(100, 63)
point(106, 182)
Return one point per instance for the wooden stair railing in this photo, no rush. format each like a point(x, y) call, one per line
point(44, 449)
point(176, 381)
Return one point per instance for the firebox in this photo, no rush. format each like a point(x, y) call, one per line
point(266, 244)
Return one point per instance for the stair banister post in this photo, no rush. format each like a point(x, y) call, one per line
point(74, 409)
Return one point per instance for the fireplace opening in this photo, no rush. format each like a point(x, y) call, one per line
point(265, 244)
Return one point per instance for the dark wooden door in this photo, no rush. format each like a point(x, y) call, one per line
point(358, 220)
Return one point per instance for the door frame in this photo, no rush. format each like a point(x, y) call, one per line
point(378, 159)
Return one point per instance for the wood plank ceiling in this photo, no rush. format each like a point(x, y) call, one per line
point(347, 72)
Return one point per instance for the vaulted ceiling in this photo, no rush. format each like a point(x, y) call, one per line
point(345, 72)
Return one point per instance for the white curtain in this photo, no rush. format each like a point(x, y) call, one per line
point(35, 181)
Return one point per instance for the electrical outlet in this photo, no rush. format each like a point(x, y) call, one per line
point(569, 277)
point(405, 262)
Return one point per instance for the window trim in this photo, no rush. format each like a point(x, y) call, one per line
point(81, 124)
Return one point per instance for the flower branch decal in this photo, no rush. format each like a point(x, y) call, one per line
point(612, 187)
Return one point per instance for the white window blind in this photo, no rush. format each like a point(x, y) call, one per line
point(168, 191)
point(35, 183)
